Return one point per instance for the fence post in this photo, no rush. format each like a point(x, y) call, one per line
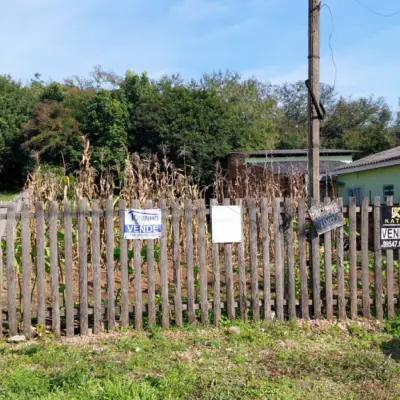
point(279, 279)
point(123, 246)
point(69, 281)
point(1, 287)
point(303, 259)
point(364, 257)
point(203, 262)
point(110, 264)
point(253, 258)
point(230, 297)
point(137, 271)
point(97, 314)
point(316, 275)
point(151, 288)
point(353, 257)
point(389, 273)
point(290, 258)
point(41, 288)
point(164, 266)
point(177, 262)
point(189, 260)
point(83, 272)
point(340, 269)
point(216, 275)
point(328, 271)
point(265, 254)
point(11, 301)
point(26, 269)
point(378, 258)
point(55, 292)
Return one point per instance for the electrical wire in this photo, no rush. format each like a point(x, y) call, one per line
point(376, 12)
point(330, 46)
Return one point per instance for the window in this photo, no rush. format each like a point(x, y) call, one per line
point(388, 190)
point(356, 192)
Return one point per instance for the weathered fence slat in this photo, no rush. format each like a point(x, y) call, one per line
point(216, 276)
point(340, 269)
point(123, 261)
point(290, 261)
point(97, 314)
point(69, 281)
point(353, 257)
point(364, 257)
point(1, 287)
point(189, 260)
point(316, 274)
point(26, 269)
point(230, 296)
point(110, 265)
point(164, 266)
point(242, 270)
point(279, 278)
point(390, 274)
point(253, 259)
point(11, 300)
point(151, 286)
point(40, 266)
point(177, 263)
point(328, 272)
point(266, 260)
point(83, 271)
point(54, 286)
point(303, 259)
point(378, 258)
point(137, 271)
point(203, 262)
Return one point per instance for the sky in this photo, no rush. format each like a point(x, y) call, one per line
point(266, 39)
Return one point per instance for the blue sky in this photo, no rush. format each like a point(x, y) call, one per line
point(264, 38)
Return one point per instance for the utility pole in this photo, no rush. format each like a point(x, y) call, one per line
point(313, 99)
point(314, 116)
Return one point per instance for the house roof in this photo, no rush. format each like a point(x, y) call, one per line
point(299, 152)
point(382, 159)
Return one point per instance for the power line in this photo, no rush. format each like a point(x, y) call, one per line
point(330, 45)
point(376, 12)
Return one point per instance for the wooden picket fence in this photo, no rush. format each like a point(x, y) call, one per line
point(277, 268)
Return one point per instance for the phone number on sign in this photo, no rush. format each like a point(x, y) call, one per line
point(390, 244)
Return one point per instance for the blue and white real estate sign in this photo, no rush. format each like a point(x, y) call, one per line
point(142, 224)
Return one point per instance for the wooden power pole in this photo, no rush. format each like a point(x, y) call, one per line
point(313, 99)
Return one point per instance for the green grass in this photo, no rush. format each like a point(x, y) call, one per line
point(281, 362)
point(7, 195)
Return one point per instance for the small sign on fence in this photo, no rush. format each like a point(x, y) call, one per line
point(226, 224)
point(390, 227)
point(142, 224)
point(326, 217)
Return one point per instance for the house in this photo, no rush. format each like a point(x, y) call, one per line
point(375, 175)
point(289, 168)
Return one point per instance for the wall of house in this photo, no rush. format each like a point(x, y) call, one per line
point(371, 182)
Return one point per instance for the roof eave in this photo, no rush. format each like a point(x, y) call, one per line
point(367, 167)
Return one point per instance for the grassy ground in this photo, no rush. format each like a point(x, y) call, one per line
point(7, 195)
point(262, 362)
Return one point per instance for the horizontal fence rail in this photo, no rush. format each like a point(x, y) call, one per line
point(67, 267)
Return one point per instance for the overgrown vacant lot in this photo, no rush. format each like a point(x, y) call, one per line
point(303, 361)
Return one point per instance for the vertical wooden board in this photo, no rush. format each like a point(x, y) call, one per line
point(40, 266)
point(151, 288)
point(242, 272)
point(11, 300)
point(364, 257)
point(253, 259)
point(177, 262)
point(96, 249)
point(303, 259)
point(69, 280)
point(290, 260)
point(1, 287)
point(216, 276)
point(137, 268)
point(83, 271)
point(390, 274)
point(340, 269)
point(189, 260)
point(316, 273)
point(328, 272)
point(353, 257)
point(279, 279)
point(230, 296)
point(164, 266)
point(54, 284)
point(26, 269)
point(203, 262)
point(110, 264)
point(378, 258)
point(123, 263)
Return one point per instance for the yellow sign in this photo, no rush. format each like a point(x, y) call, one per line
point(395, 212)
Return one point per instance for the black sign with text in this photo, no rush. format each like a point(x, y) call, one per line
point(390, 227)
point(326, 217)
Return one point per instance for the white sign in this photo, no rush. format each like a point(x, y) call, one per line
point(142, 224)
point(390, 233)
point(226, 224)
